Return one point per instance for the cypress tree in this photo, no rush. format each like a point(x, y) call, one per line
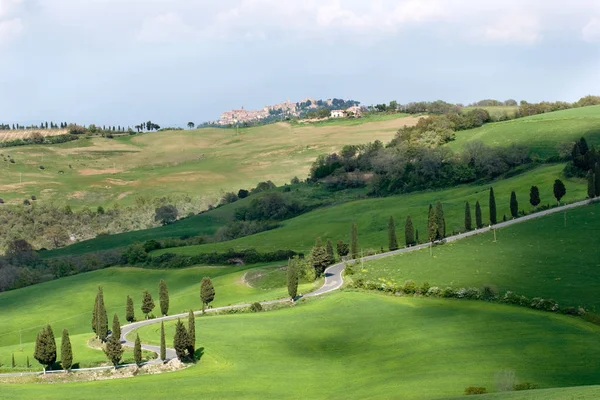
point(354, 241)
point(467, 217)
point(440, 220)
point(392, 239)
point(292, 280)
point(116, 327)
point(45, 348)
point(101, 317)
point(163, 297)
point(514, 205)
point(597, 179)
point(330, 254)
point(432, 228)
point(137, 350)
point(559, 190)
point(493, 215)
point(163, 345)
point(416, 236)
point(534, 196)
point(147, 303)
point(113, 350)
point(180, 341)
point(191, 333)
point(591, 184)
point(95, 313)
point(14, 364)
point(129, 313)
point(207, 292)
point(28, 364)
point(409, 232)
point(66, 352)
point(319, 257)
point(478, 217)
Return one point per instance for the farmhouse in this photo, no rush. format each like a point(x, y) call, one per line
point(338, 114)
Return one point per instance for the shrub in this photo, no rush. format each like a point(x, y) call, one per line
point(434, 291)
point(26, 202)
point(42, 167)
point(475, 390)
point(256, 307)
point(488, 293)
point(34, 198)
point(468, 293)
point(150, 245)
point(448, 292)
point(349, 270)
point(425, 287)
point(526, 386)
point(1, 201)
point(409, 287)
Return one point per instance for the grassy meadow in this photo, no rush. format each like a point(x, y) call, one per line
point(542, 133)
point(537, 258)
point(371, 215)
point(359, 345)
point(201, 163)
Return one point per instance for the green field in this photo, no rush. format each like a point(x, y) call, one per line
point(495, 111)
point(574, 393)
point(371, 216)
point(542, 133)
point(201, 163)
point(358, 345)
point(537, 258)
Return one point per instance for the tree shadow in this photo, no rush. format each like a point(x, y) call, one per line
point(198, 354)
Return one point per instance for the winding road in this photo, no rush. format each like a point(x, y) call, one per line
point(333, 275)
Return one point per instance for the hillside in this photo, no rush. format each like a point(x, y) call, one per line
point(201, 163)
point(542, 133)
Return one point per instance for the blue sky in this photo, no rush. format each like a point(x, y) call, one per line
point(121, 62)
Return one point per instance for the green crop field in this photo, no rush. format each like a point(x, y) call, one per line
point(358, 345)
point(537, 258)
point(200, 163)
point(68, 302)
point(371, 216)
point(542, 133)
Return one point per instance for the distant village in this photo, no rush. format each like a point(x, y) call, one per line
point(308, 108)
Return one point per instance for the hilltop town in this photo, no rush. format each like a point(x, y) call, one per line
point(335, 108)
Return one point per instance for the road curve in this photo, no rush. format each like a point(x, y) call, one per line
point(333, 275)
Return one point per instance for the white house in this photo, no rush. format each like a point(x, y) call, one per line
point(338, 114)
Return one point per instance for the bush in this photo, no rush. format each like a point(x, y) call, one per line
point(409, 287)
point(150, 245)
point(468, 293)
point(425, 287)
point(434, 291)
point(475, 390)
point(256, 307)
point(488, 293)
point(448, 292)
point(526, 386)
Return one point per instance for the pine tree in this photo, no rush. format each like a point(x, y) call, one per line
point(163, 297)
point(137, 350)
point(409, 232)
point(478, 217)
point(180, 341)
point(207, 292)
point(432, 228)
point(163, 345)
point(129, 313)
point(559, 190)
point(467, 217)
point(292, 280)
point(45, 348)
point(392, 239)
point(514, 205)
point(493, 215)
point(330, 254)
point(354, 241)
point(591, 184)
point(116, 327)
point(440, 220)
point(534, 196)
point(597, 179)
point(114, 350)
point(147, 303)
point(191, 333)
point(66, 352)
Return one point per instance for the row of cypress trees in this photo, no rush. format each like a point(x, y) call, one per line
point(45, 349)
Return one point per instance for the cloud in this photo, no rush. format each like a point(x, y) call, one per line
point(591, 32)
point(10, 27)
point(165, 28)
point(516, 28)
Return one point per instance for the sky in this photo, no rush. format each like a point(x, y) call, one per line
point(174, 61)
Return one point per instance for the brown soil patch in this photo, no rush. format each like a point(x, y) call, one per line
point(25, 134)
point(123, 195)
point(89, 171)
point(119, 182)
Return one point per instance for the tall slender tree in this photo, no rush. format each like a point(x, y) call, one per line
point(591, 184)
point(66, 352)
point(163, 345)
point(440, 220)
point(416, 236)
point(129, 312)
point(432, 228)
point(559, 190)
point(392, 239)
point(514, 205)
point(95, 313)
point(478, 216)
point(493, 215)
point(354, 241)
point(597, 178)
point(191, 333)
point(13, 363)
point(163, 297)
point(137, 350)
point(534, 196)
point(147, 303)
point(101, 317)
point(180, 341)
point(319, 257)
point(292, 280)
point(45, 348)
point(207, 292)
point(467, 217)
point(330, 254)
point(409, 232)
point(114, 350)
point(116, 327)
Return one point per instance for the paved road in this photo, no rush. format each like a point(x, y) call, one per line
point(333, 277)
